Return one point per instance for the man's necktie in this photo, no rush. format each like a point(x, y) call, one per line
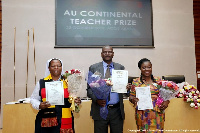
point(107, 74)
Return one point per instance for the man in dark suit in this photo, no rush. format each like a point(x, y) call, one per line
point(115, 104)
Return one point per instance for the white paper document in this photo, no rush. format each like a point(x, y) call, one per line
point(144, 96)
point(55, 92)
point(119, 80)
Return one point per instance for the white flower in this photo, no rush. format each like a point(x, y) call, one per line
point(190, 96)
point(155, 84)
point(109, 83)
point(198, 104)
point(181, 90)
point(186, 83)
point(192, 104)
point(195, 97)
point(197, 92)
point(188, 100)
point(180, 95)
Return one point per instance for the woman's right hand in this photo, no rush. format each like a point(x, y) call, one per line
point(128, 86)
point(44, 105)
point(133, 100)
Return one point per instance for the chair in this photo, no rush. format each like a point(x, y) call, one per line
point(174, 78)
point(130, 79)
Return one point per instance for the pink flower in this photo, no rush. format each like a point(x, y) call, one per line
point(195, 100)
point(168, 85)
point(73, 71)
point(163, 84)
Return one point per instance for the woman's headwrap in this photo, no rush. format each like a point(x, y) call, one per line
point(47, 72)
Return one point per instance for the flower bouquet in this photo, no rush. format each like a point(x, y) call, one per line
point(74, 80)
point(190, 95)
point(167, 91)
point(100, 89)
point(181, 89)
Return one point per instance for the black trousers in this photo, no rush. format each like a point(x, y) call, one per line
point(114, 119)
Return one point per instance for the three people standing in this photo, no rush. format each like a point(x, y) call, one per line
point(52, 119)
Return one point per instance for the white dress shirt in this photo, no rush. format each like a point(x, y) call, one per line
point(35, 98)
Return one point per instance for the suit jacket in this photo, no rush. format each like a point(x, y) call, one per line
point(95, 108)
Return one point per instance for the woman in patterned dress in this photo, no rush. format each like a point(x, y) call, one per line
point(149, 120)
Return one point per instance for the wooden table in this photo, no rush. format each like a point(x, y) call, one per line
point(20, 118)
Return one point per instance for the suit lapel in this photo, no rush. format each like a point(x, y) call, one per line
point(101, 69)
point(116, 67)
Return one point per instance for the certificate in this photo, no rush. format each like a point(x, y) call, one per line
point(55, 92)
point(144, 96)
point(119, 80)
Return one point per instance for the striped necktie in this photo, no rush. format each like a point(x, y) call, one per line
point(107, 74)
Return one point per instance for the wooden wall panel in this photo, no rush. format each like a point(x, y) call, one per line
point(0, 46)
point(196, 12)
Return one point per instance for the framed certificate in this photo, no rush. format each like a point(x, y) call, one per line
point(144, 96)
point(55, 92)
point(120, 80)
